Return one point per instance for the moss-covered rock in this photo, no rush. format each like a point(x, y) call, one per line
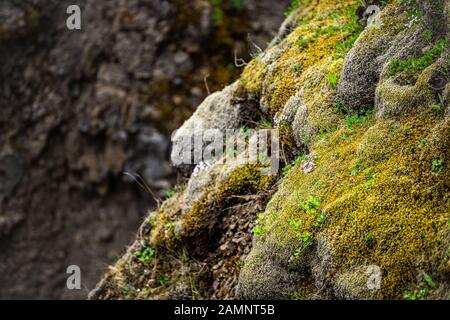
point(363, 211)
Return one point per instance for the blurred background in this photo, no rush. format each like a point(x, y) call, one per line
point(80, 108)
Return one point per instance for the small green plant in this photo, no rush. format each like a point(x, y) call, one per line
point(164, 280)
point(288, 168)
point(422, 290)
point(437, 166)
point(298, 67)
point(419, 294)
point(294, 5)
point(258, 230)
point(357, 167)
point(440, 105)
point(307, 239)
point(320, 220)
point(293, 295)
point(429, 281)
point(333, 80)
point(244, 129)
point(311, 205)
point(264, 124)
point(169, 193)
point(218, 13)
point(145, 255)
point(356, 119)
point(369, 177)
point(303, 42)
point(304, 236)
point(427, 35)
point(410, 68)
point(243, 82)
point(369, 240)
point(296, 224)
point(436, 107)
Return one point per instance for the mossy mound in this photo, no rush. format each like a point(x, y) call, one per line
point(362, 212)
point(380, 201)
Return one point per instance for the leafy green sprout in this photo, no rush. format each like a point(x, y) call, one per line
point(320, 219)
point(412, 66)
point(420, 294)
point(333, 80)
point(259, 229)
point(357, 167)
point(244, 129)
point(217, 11)
point(289, 167)
point(437, 166)
point(356, 119)
point(164, 280)
point(436, 107)
point(169, 193)
point(422, 290)
point(298, 226)
point(264, 124)
point(306, 238)
point(439, 106)
point(369, 177)
point(311, 205)
point(427, 35)
point(145, 255)
point(294, 5)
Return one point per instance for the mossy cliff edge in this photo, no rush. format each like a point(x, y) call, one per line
point(361, 208)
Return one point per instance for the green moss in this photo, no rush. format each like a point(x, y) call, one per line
point(252, 77)
point(407, 70)
point(394, 221)
point(334, 22)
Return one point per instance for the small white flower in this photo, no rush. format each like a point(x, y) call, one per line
point(201, 166)
point(308, 163)
point(279, 120)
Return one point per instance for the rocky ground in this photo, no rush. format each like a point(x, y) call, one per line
point(79, 108)
point(360, 209)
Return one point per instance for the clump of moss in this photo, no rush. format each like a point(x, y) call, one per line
point(407, 70)
point(336, 27)
point(399, 217)
point(245, 180)
point(252, 77)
